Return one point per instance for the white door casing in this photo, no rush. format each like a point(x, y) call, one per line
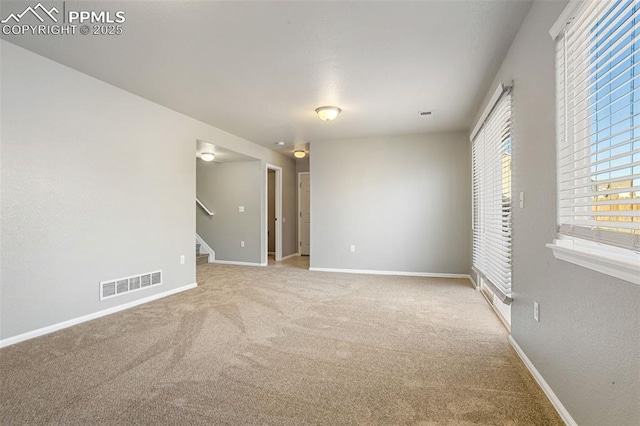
point(278, 218)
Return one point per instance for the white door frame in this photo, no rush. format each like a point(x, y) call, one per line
point(278, 235)
point(300, 211)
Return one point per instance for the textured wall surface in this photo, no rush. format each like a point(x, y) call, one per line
point(223, 188)
point(587, 343)
point(302, 165)
point(289, 207)
point(404, 202)
point(97, 184)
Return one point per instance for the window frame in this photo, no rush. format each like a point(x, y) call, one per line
point(491, 257)
point(622, 263)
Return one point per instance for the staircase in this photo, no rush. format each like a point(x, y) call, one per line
point(201, 258)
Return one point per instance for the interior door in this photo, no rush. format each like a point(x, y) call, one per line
point(304, 215)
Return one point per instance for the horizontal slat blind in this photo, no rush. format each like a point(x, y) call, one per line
point(598, 113)
point(477, 158)
point(491, 175)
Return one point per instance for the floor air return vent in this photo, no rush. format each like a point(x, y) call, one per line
point(117, 287)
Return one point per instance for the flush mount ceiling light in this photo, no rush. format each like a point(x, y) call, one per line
point(299, 153)
point(207, 156)
point(328, 113)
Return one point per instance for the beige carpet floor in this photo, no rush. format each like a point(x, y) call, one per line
point(280, 346)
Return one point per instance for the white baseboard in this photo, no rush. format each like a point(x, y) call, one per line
point(564, 414)
point(290, 256)
point(473, 282)
point(207, 248)
point(233, 262)
point(397, 273)
point(65, 324)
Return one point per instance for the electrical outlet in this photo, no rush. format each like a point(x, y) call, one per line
point(536, 311)
point(241, 243)
point(182, 259)
point(241, 209)
point(522, 200)
point(353, 249)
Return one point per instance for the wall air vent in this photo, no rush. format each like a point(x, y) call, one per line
point(423, 114)
point(117, 287)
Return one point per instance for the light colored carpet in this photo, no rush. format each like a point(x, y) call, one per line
point(281, 346)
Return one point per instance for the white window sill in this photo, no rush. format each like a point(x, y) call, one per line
point(614, 261)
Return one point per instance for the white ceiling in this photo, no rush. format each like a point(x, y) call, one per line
point(259, 69)
point(222, 155)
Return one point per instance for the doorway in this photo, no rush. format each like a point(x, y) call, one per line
point(304, 213)
point(273, 213)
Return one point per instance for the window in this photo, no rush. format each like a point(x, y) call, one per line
point(598, 136)
point(491, 162)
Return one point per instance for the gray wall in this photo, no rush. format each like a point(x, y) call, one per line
point(223, 188)
point(587, 343)
point(302, 164)
point(289, 207)
point(96, 183)
point(404, 202)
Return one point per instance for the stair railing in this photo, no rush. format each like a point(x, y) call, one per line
point(209, 212)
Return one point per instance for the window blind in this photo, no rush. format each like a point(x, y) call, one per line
point(491, 176)
point(598, 117)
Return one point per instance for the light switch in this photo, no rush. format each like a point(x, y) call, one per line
point(241, 209)
point(522, 200)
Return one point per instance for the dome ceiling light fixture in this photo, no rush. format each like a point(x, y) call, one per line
point(328, 113)
point(207, 156)
point(298, 153)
